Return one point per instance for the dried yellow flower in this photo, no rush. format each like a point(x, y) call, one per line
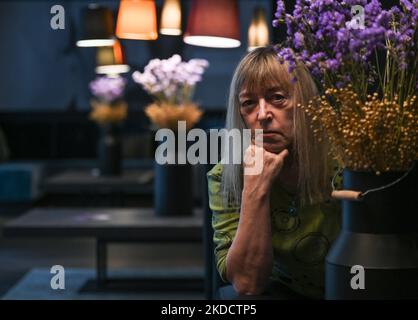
point(104, 113)
point(166, 115)
point(377, 134)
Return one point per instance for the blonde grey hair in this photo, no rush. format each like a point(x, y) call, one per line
point(261, 69)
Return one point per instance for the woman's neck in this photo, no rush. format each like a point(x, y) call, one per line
point(288, 177)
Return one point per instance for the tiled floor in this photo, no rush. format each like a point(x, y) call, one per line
point(19, 256)
point(79, 285)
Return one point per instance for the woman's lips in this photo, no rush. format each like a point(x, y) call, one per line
point(270, 134)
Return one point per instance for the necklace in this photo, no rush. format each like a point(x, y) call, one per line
point(292, 209)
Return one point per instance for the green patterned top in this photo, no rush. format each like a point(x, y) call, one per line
point(301, 236)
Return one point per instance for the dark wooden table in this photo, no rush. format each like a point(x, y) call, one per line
point(83, 187)
point(73, 181)
point(107, 225)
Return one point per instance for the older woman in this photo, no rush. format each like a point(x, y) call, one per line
point(272, 230)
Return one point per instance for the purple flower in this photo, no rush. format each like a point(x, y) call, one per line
point(299, 40)
point(317, 57)
point(383, 20)
point(280, 13)
point(332, 64)
point(286, 55)
point(171, 80)
point(372, 10)
point(108, 88)
point(325, 35)
point(281, 10)
point(407, 4)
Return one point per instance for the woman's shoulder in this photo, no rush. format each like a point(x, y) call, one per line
point(216, 194)
point(214, 187)
point(215, 173)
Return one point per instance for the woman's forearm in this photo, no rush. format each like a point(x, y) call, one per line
point(250, 258)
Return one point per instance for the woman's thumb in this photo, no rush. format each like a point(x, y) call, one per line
point(283, 154)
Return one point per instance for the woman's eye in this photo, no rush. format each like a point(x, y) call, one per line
point(277, 98)
point(246, 103)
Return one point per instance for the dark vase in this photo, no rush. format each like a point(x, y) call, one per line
point(110, 150)
point(380, 234)
point(173, 185)
point(173, 190)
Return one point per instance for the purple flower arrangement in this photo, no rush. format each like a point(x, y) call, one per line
point(108, 89)
point(364, 60)
point(108, 106)
point(376, 51)
point(171, 80)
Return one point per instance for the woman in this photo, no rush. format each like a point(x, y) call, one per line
point(272, 231)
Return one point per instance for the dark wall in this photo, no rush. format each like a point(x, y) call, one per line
point(44, 96)
point(62, 135)
point(42, 69)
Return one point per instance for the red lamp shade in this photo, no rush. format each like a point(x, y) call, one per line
point(137, 19)
point(213, 23)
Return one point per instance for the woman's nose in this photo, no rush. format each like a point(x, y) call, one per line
point(263, 112)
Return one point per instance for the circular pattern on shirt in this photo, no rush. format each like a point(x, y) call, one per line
point(311, 249)
point(283, 222)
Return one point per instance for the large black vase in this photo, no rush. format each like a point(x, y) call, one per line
point(110, 150)
point(380, 234)
point(173, 190)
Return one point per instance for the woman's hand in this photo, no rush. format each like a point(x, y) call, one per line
point(249, 261)
point(268, 166)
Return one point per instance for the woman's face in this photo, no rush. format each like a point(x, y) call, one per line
point(272, 111)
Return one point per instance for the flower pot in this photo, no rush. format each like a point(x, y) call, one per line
point(173, 192)
point(110, 150)
point(379, 234)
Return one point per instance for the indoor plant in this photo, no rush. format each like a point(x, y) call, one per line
point(108, 111)
point(171, 83)
point(366, 67)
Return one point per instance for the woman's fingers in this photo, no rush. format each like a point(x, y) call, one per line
point(278, 159)
point(253, 160)
point(282, 155)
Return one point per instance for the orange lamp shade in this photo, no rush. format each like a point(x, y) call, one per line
point(171, 18)
point(213, 23)
point(111, 60)
point(137, 19)
point(258, 32)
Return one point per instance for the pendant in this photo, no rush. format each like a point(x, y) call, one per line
point(292, 209)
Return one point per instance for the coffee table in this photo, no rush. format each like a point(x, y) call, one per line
point(107, 225)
